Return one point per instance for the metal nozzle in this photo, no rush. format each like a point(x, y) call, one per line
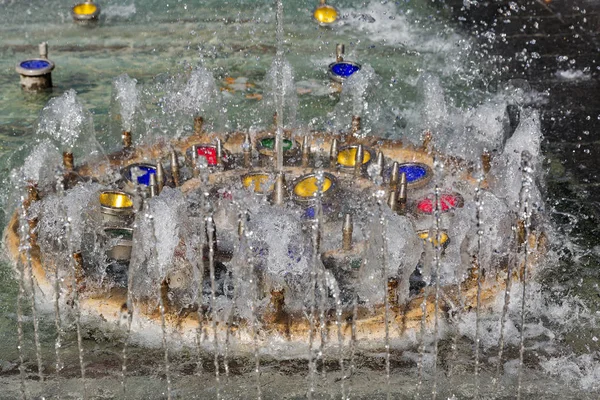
point(175, 168)
point(126, 139)
point(427, 136)
point(78, 266)
point(211, 233)
point(241, 226)
point(43, 47)
point(403, 193)
point(247, 150)
point(355, 126)
point(333, 153)
point(198, 125)
point(33, 194)
point(358, 160)
point(68, 160)
point(153, 187)
point(347, 229)
point(392, 292)
point(219, 151)
point(394, 178)
point(279, 190)
point(339, 51)
point(393, 200)
point(486, 161)
point(195, 172)
point(380, 162)
point(279, 155)
point(160, 176)
point(305, 151)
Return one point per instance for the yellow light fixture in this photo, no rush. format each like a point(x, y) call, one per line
point(347, 156)
point(257, 182)
point(118, 200)
point(308, 186)
point(443, 237)
point(85, 9)
point(325, 14)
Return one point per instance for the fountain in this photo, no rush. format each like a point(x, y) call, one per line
point(234, 249)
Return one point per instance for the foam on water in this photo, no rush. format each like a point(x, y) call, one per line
point(391, 24)
point(118, 11)
point(573, 75)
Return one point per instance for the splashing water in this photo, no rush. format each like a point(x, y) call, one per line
point(127, 95)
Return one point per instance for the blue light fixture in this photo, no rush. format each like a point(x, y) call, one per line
point(36, 73)
point(341, 70)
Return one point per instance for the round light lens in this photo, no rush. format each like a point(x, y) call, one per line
point(308, 187)
point(257, 182)
point(115, 200)
point(325, 14)
point(347, 156)
point(84, 9)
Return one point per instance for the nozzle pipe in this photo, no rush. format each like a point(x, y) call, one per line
point(160, 176)
point(403, 193)
point(394, 178)
point(333, 153)
point(305, 151)
point(358, 160)
point(175, 168)
point(347, 230)
point(339, 50)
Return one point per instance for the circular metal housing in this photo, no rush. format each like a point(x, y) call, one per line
point(116, 206)
point(305, 189)
point(139, 173)
point(341, 70)
point(35, 67)
point(325, 14)
point(209, 151)
point(448, 202)
point(85, 12)
point(417, 174)
point(267, 152)
point(121, 251)
point(346, 158)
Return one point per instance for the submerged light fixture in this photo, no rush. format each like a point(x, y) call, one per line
point(447, 202)
point(36, 73)
point(417, 174)
point(85, 12)
point(325, 14)
point(341, 70)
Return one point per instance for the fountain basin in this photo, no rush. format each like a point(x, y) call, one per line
point(279, 319)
